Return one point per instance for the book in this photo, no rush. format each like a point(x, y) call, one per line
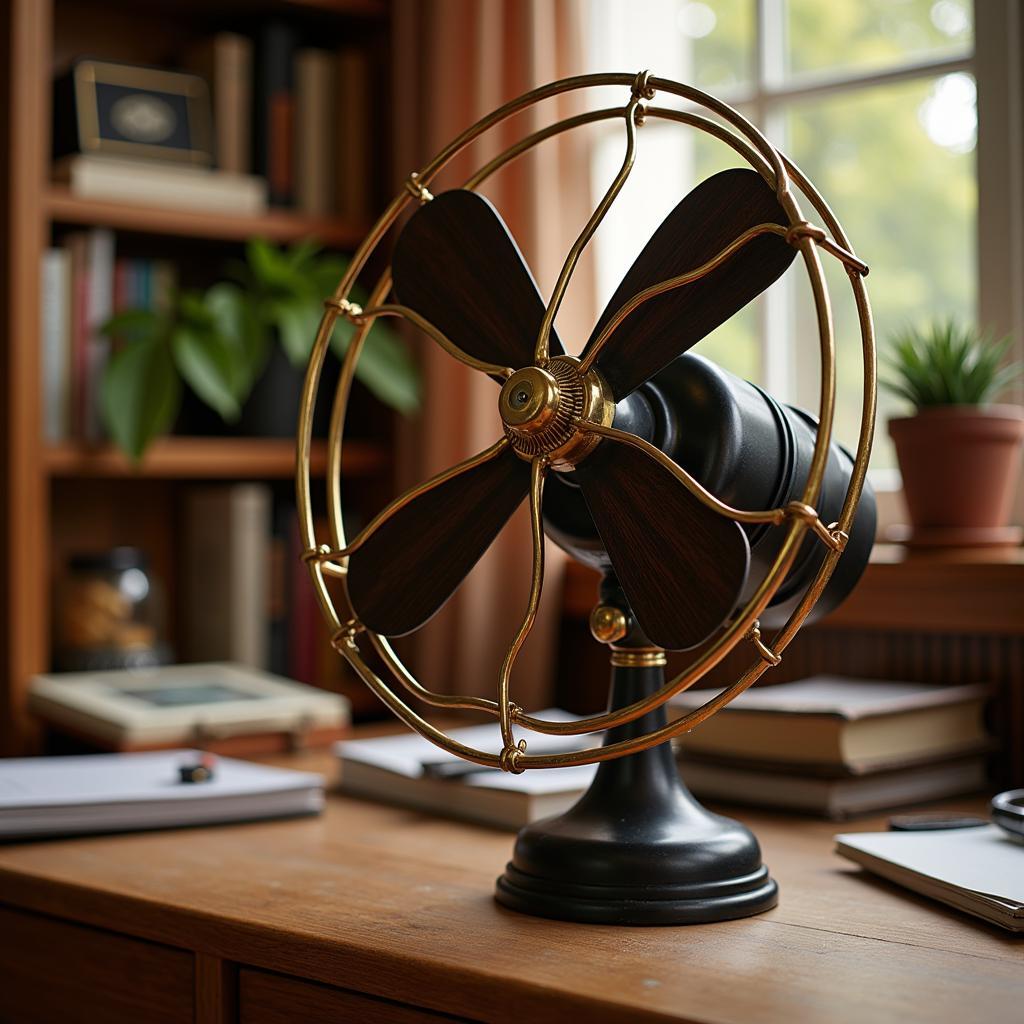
point(834, 798)
point(977, 870)
point(841, 725)
point(124, 180)
point(225, 61)
point(225, 574)
point(49, 796)
point(77, 245)
point(353, 120)
point(315, 130)
point(274, 110)
point(55, 321)
point(99, 306)
point(167, 706)
point(410, 771)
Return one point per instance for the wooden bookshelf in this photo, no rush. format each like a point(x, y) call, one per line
point(59, 498)
point(201, 458)
point(274, 225)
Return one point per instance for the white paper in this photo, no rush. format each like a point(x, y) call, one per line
point(406, 754)
point(128, 778)
point(838, 695)
point(982, 860)
point(123, 792)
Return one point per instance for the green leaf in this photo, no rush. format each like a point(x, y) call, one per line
point(205, 360)
point(301, 255)
point(234, 318)
point(296, 321)
point(326, 274)
point(139, 395)
point(384, 366)
point(272, 271)
point(136, 325)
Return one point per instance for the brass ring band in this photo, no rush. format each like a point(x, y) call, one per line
point(639, 658)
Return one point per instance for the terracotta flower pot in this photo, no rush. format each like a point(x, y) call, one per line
point(960, 465)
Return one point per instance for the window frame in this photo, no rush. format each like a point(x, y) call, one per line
point(998, 24)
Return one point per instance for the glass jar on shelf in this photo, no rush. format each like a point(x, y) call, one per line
point(109, 613)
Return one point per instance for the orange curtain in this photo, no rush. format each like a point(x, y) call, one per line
point(455, 61)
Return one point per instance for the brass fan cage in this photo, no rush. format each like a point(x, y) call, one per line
point(330, 558)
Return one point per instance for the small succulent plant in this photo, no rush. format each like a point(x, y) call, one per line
point(947, 363)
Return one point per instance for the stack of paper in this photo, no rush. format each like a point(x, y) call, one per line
point(410, 771)
point(123, 792)
point(979, 870)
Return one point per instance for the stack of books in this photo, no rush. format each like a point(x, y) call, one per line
point(837, 747)
point(84, 282)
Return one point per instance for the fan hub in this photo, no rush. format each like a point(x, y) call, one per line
point(530, 401)
point(540, 410)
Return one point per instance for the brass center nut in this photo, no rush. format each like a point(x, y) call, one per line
point(529, 400)
point(542, 408)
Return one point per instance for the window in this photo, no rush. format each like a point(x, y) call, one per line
point(875, 101)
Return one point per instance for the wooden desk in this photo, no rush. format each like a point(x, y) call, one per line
point(380, 916)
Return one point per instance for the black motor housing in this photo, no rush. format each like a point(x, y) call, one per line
point(751, 452)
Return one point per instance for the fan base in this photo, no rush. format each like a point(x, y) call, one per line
point(637, 848)
point(717, 901)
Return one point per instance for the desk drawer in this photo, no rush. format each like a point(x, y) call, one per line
point(51, 970)
point(274, 999)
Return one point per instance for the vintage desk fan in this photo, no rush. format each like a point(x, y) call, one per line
point(712, 510)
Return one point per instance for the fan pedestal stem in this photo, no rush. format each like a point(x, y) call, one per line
point(637, 848)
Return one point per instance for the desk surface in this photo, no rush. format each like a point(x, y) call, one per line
point(397, 904)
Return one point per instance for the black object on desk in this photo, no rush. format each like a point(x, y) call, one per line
point(1008, 812)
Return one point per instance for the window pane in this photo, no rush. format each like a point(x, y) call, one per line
point(707, 43)
point(671, 159)
point(896, 163)
point(866, 35)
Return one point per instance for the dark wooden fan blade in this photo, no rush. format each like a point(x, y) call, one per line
point(456, 264)
point(717, 211)
point(682, 566)
point(415, 561)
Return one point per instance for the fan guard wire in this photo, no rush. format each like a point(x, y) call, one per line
point(325, 560)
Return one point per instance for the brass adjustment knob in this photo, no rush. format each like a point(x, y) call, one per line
point(608, 624)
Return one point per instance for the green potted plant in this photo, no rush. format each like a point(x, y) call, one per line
point(959, 453)
point(234, 342)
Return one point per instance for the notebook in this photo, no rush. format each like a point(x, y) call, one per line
point(978, 870)
point(47, 796)
point(410, 771)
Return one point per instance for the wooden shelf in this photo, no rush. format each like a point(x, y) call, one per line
point(205, 458)
point(963, 592)
point(275, 225)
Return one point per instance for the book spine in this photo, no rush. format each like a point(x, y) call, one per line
point(314, 139)
point(353, 172)
point(56, 347)
point(303, 616)
point(249, 530)
point(165, 284)
point(77, 246)
point(275, 111)
point(279, 597)
point(225, 62)
point(232, 78)
point(225, 586)
point(99, 309)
